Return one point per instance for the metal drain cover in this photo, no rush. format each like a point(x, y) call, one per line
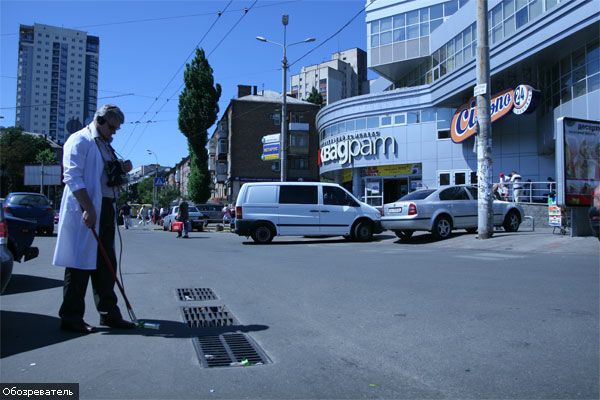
point(208, 316)
point(196, 294)
point(229, 350)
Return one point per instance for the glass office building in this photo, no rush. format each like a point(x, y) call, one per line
point(385, 144)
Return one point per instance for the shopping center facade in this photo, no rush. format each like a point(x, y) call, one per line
point(383, 145)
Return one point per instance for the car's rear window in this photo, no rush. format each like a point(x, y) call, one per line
point(193, 209)
point(417, 195)
point(29, 200)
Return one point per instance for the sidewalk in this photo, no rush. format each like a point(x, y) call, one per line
point(538, 241)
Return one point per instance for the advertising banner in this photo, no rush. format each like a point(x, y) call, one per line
point(393, 170)
point(52, 175)
point(577, 160)
point(521, 100)
point(554, 213)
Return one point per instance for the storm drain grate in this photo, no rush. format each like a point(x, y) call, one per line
point(229, 350)
point(196, 294)
point(208, 316)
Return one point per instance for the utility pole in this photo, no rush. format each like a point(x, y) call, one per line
point(485, 224)
point(284, 124)
point(42, 178)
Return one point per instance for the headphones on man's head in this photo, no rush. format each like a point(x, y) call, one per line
point(101, 119)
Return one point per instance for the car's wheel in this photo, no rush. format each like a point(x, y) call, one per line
point(170, 227)
point(363, 231)
point(404, 235)
point(442, 228)
point(262, 234)
point(512, 221)
point(164, 227)
point(471, 230)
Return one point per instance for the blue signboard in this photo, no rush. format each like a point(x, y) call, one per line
point(159, 181)
point(270, 151)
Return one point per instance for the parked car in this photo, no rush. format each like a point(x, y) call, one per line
point(268, 209)
point(16, 237)
point(442, 210)
point(214, 212)
point(198, 219)
point(34, 207)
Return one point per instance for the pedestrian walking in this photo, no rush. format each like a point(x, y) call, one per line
point(143, 215)
point(91, 180)
point(126, 214)
point(183, 215)
point(517, 186)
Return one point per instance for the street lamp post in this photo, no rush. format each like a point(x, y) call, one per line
point(284, 123)
point(155, 176)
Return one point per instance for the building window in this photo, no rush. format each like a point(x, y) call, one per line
point(473, 178)
point(445, 134)
point(400, 119)
point(443, 178)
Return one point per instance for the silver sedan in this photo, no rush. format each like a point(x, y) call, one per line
point(442, 210)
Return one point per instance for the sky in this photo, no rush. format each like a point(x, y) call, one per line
point(144, 44)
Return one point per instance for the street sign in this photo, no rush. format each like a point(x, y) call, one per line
point(480, 89)
point(159, 181)
point(274, 138)
point(270, 152)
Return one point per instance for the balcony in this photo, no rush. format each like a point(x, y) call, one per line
point(221, 175)
point(222, 130)
point(299, 126)
point(222, 149)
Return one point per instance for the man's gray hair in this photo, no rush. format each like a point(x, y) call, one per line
point(111, 112)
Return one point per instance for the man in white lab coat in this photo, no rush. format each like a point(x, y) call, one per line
point(89, 201)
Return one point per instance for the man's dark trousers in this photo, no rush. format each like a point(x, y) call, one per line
point(103, 281)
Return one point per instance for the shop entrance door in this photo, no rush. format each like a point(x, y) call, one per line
point(374, 192)
point(393, 189)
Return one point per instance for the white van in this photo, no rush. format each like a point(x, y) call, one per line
point(267, 209)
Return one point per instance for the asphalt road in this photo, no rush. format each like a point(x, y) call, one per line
point(516, 316)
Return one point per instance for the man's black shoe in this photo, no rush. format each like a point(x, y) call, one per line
point(117, 323)
point(79, 327)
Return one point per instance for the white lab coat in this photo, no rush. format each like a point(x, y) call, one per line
point(83, 165)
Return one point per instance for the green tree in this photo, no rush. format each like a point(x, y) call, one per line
point(315, 97)
point(198, 110)
point(166, 195)
point(46, 157)
point(17, 149)
point(144, 191)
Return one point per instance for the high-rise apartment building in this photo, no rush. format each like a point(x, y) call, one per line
point(344, 76)
point(57, 80)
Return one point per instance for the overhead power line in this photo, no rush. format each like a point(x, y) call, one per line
point(246, 10)
point(362, 10)
point(219, 13)
point(66, 102)
point(134, 21)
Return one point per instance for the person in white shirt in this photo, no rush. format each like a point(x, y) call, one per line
point(517, 186)
point(88, 203)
